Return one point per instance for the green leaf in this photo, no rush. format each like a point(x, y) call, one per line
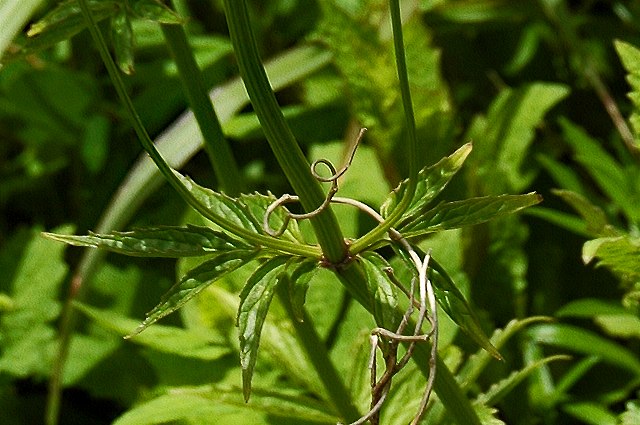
point(585, 342)
point(62, 23)
point(381, 289)
point(487, 414)
point(122, 37)
point(630, 57)
point(194, 282)
point(498, 391)
point(164, 241)
point(255, 299)
point(431, 181)
point(608, 174)
point(590, 413)
point(256, 206)
point(631, 416)
point(156, 11)
point(620, 254)
point(299, 277)
point(166, 339)
point(455, 305)
point(467, 212)
point(594, 218)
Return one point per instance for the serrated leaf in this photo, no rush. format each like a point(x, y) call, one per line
point(630, 57)
point(256, 206)
point(609, 175)
point(156, 11)
point(585, 342)
point(255, 299)
point(62, 23)
point(431, 181)
point(594, 218)
point(166, 339)
point(620, 254)
point(467, 212)
point(299, 278)
point(194, 282)
point(220, 204)
point(486, 414)
point(164, 241)
point(501, 389)
point(122, 38)
point(381, 289)
point(455, 305)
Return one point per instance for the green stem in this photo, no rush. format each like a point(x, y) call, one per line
point(278, 134)
point(165, 169)
point(410, 124)
point(215, 145)
point(318, 354)
point(446, 387)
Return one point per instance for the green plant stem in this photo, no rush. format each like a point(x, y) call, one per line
point(318, 355)
point(410, 125)
point(278, 134)
point(215, 145)
point(458, 406)
point(171, 176)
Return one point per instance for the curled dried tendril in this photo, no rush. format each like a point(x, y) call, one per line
point(426, 302)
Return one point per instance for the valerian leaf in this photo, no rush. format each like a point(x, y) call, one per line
point(163, 241)
point(594, 217)
point(630, 57)
point(381, 288)
point(122, 37)
point(467, 212)
point(255, 299)
point(431, 181)
point(301, 273)
point(458, 309)
point(156, 11)
point(620, 254)
point(256, 206)
point(194, 282)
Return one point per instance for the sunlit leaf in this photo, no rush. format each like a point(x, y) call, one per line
point(455, 305)
point(620, 254)
point(498, 391)
point(194, 282)
point(487, 415)
point(156, 11)
point(165, 241)
point(467, 212)
point(591, 413)
point(630, 57)
point(585, 342)
point(631, 416)
point(299, 278)
point(431, 181)
point(165, 339)
point(255, 299)
point(381, 289)
point(122, 37)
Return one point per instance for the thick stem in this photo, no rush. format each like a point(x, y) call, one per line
point(278, 133)
point(319, 357)
point(215, 145)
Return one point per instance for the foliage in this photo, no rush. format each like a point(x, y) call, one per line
point(495, 107)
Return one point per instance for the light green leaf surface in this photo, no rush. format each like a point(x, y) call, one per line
point(300, 273)
point(166, 339)
point(194, 282)
point(256, 205)
point(631, 416)
point(630, 57)
point(585, 342)
point(467, 212)
point(593, 216)
point(431, 181)
point(620, 254)
point(381, 290)
point(590, 413)
point(165, 241)
point(155, 11)
point(255, 299)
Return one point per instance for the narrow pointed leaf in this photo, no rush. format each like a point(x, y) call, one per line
point(594, 218)
point(586, 342)
point(501, 389)
point(194, 282)
point(156, 11)
point(467, 212)
point(255, 299)
point(431, 181)
point(164, 241)
point(381, 289)
point(256, 206)
point(455, 305)
point(301, 274)
point(122, 37)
